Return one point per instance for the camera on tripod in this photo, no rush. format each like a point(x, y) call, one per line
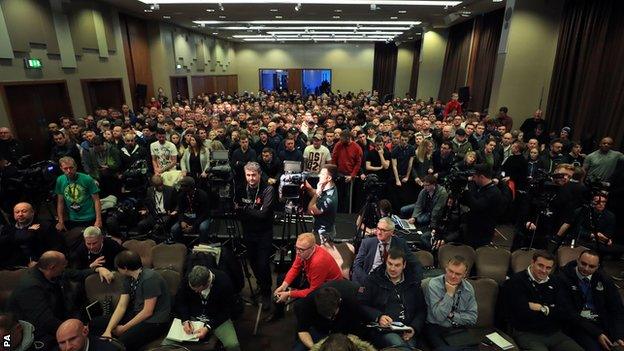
point(134, 179)
point(456, 181)
point(373, 186)
point(291, 181)
point(220, 179)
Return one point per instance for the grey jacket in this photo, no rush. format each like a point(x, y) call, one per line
point(439, 201)
point(440, 304)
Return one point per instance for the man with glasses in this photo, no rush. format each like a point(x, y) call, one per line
point(374, 251)
point(312, 267)
point(595, 310)
point(392, 294)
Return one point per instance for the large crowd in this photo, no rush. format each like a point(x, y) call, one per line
point(168, 171)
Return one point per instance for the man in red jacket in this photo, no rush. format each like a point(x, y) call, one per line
point(453, 105)
point(347, 156)
point(313, 266)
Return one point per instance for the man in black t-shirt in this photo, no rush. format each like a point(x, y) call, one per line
point(332, 308)
point(378, 160)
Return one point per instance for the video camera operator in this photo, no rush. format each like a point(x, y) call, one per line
point(548, 205)
point(254, 202)
point(484, 200)
point(324, 203)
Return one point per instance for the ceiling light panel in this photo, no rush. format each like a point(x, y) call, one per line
point(313, 28)
point(314, 2)
point(287, 22)
point(329, 33)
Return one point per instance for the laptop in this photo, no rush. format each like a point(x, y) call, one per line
point(403, 223)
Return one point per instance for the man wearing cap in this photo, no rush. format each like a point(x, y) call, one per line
point(193, 211)
point(461, 145)
point(315, 156)
point(484, 200)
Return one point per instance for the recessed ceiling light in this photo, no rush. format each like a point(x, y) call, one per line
point(335, 17)
point(313, 22)
point(338, 10)
point(273, 10)
point(317, 2)
point(279, 17)
point(402, 11)
point(166, 17)
point(148, 10)
point(222, 17)
point(497, 0)
point(410, 38)
point(393, 17)
point(210, 10)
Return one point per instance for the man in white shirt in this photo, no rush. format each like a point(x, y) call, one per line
point(164, 153)
point(315, 156)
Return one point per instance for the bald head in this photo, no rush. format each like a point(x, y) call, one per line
point(306, 238)
point(52, 264)
point(71, 335)
point(23, 213)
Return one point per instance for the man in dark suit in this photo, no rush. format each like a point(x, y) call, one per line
point(39, 297)
point(158, 206)
point(95, 250)
point(374, 251)
point(72, 335)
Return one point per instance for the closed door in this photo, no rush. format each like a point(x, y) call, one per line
point(31, 108)
point(179, 85)
point(103, 94)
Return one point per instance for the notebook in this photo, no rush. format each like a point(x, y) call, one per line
point(499, 341)
point(176, 331)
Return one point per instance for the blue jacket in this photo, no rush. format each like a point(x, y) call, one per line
point(365, 258)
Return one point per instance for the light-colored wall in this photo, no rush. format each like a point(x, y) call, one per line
point(351, 64)
point(430, 72)
point(197, 53)
point(522, 76)
point(405, 59)
point(88, 65)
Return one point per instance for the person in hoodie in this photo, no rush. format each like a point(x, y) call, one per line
point(461, 145)
point(391, 294)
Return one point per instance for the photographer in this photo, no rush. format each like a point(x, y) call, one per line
point(132, 152)
point(324, 203)
point(193, 210)
point(484, 200)
point(254, 204)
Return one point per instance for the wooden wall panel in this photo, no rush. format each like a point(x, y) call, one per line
point(136, 49)
point(295, 82)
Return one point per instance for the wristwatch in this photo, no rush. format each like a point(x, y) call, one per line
point(544, 309)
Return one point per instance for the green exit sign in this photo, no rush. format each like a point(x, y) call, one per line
point(33, 63)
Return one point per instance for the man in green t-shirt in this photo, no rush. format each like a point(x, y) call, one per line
point(78, 198)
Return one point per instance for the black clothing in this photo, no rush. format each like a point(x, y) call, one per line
point(375, 161)
point(193, 206)
point(442, 165)
point(516, 167)
point(69, 149)
point(214, 310)
point(294, 155)
point(549, 161)
point(239, 159)
point(271, 169)
point(346, 320)
point(259, 146)
point(81, 258)
point(520, 290)
point(530, 124)
point(11, 150)
point(403, 302)
point(129, 157)
point(42, 302)
point(497, 160)
point(606, 303)
point(485, 204)
point(19, 246)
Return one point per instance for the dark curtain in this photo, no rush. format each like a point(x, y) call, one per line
point(587, 87)
point(413, 87)
point(487, 31)
point(384, 68)
point(456, 59)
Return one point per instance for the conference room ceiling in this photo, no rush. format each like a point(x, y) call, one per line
point(309, 20)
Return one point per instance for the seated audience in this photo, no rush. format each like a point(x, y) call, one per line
point(39, 297)
point(193, 211)
point(143, 311)
point(373, 252)
point(331, 308)
point(24, 241)
point(312, 267)
point(535, 310)
point(72, 335)
point(17, 334)
point(206, 295)
point(158, 208)
point(430, 203)
point(595, 317)
point(392, 294)
point(96, 250)
point(451, 304)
